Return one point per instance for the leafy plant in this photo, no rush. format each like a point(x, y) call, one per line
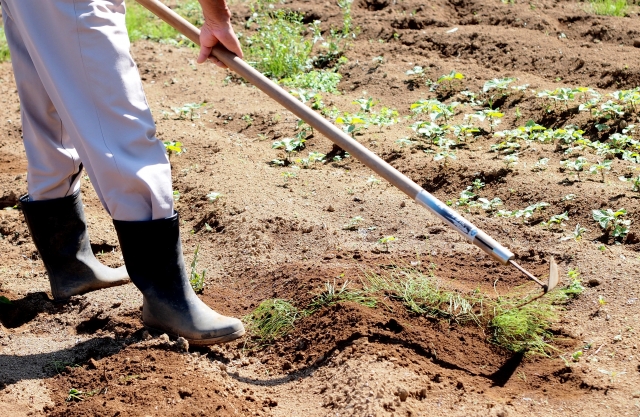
point(172, 147)
point(577, 165)
point(612, 221)
point(4, 47)
point(187, 111)
point(556, 219)
point(576, 234)
point(290, 146)
point(435, 109)
point(449, 81)
point(195, 279)
point(321, 81)
point(351, 123)
point(386, 241)
point(353, 224)
point(600, 167)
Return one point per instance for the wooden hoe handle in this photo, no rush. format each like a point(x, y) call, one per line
point(355, 149)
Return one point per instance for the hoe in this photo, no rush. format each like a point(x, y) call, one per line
point(355, 149)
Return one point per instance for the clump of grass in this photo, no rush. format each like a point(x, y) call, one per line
point(523, 328)
point(272, 319)
point(609, 7)
point(321, 81)
point(142, 24)
point(4, 47)
point(516, 323)
point(421, 294)
point(333, 295)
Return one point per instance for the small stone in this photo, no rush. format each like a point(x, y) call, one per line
point(403, 204)
point(330, 209)
point(636, 43)
point(182, 344)
point(403, 394)
point(594, 282)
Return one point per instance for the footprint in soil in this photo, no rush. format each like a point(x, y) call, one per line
point(18, 312)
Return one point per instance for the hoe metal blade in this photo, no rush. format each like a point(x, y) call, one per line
point(553, 275)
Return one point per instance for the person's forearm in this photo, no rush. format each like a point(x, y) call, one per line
point(215, 9)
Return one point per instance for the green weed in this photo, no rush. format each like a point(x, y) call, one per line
point(142, 24)
point(272, 319)
point(4, 47)
point(333, 295)
point(609, 7)
point(195, 279)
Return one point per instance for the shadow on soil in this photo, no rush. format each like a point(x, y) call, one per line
point(14, 368)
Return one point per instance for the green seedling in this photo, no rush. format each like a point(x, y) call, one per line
point(435, 109)
point(187, 111)
point(577, 165)
point(311, 159)
point(213, 196)
point(462, 132)
point(541, 165)
point(577, 355)
point(287, 175)
point(372, 181)
point(635, 182)
point(195, 279)
point(247, 119)
point(445, 155)
point(601, 167)
point(354, 223)
point(351, 123)
point(75, 395)
point(172, 147)
point(405, 141)
point(4, 300)
point(449, 81)
point(428, 130)
point(577, 233)
point(176, 195)
point(366, 104)
point(477, 184)
point(612, 221)
point(466, 197)
point(492, 115)
point(557, 219)
point(386, 241)
point(290, 146)
point(489, 205)
point(510, 160)
point(631, 156)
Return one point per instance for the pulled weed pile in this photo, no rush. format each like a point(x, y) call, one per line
point(517, 322)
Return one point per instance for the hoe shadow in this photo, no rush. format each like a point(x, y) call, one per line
point(15, 368)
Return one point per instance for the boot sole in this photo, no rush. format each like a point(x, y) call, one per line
point(203, 342)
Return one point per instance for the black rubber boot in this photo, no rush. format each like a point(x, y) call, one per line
point(153, 256)
point(59, 231)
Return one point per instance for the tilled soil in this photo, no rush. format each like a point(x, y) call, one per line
point(268, 237)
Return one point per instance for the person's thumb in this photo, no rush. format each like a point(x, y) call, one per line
point(205, 51)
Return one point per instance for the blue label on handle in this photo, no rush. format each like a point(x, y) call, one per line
point(448, 215)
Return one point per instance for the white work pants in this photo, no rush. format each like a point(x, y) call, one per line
point(82, 104)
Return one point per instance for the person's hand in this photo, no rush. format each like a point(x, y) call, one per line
point(217, 29)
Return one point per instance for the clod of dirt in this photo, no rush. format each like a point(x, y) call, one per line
point(181, 345)
point(286, 366)
point(594, 282)
point(93, 364)
point(146, 335)
point(403, 394)
point(164, 338)
point(330, 209)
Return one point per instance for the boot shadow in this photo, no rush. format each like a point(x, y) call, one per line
point(18, 312)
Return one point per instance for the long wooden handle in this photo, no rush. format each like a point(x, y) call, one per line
point(355, 149)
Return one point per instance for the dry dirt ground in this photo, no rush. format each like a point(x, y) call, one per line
point(266, 239)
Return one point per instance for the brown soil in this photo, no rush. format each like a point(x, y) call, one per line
point(267, 239)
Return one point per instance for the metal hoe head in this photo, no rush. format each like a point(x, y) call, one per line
point(553, 275)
